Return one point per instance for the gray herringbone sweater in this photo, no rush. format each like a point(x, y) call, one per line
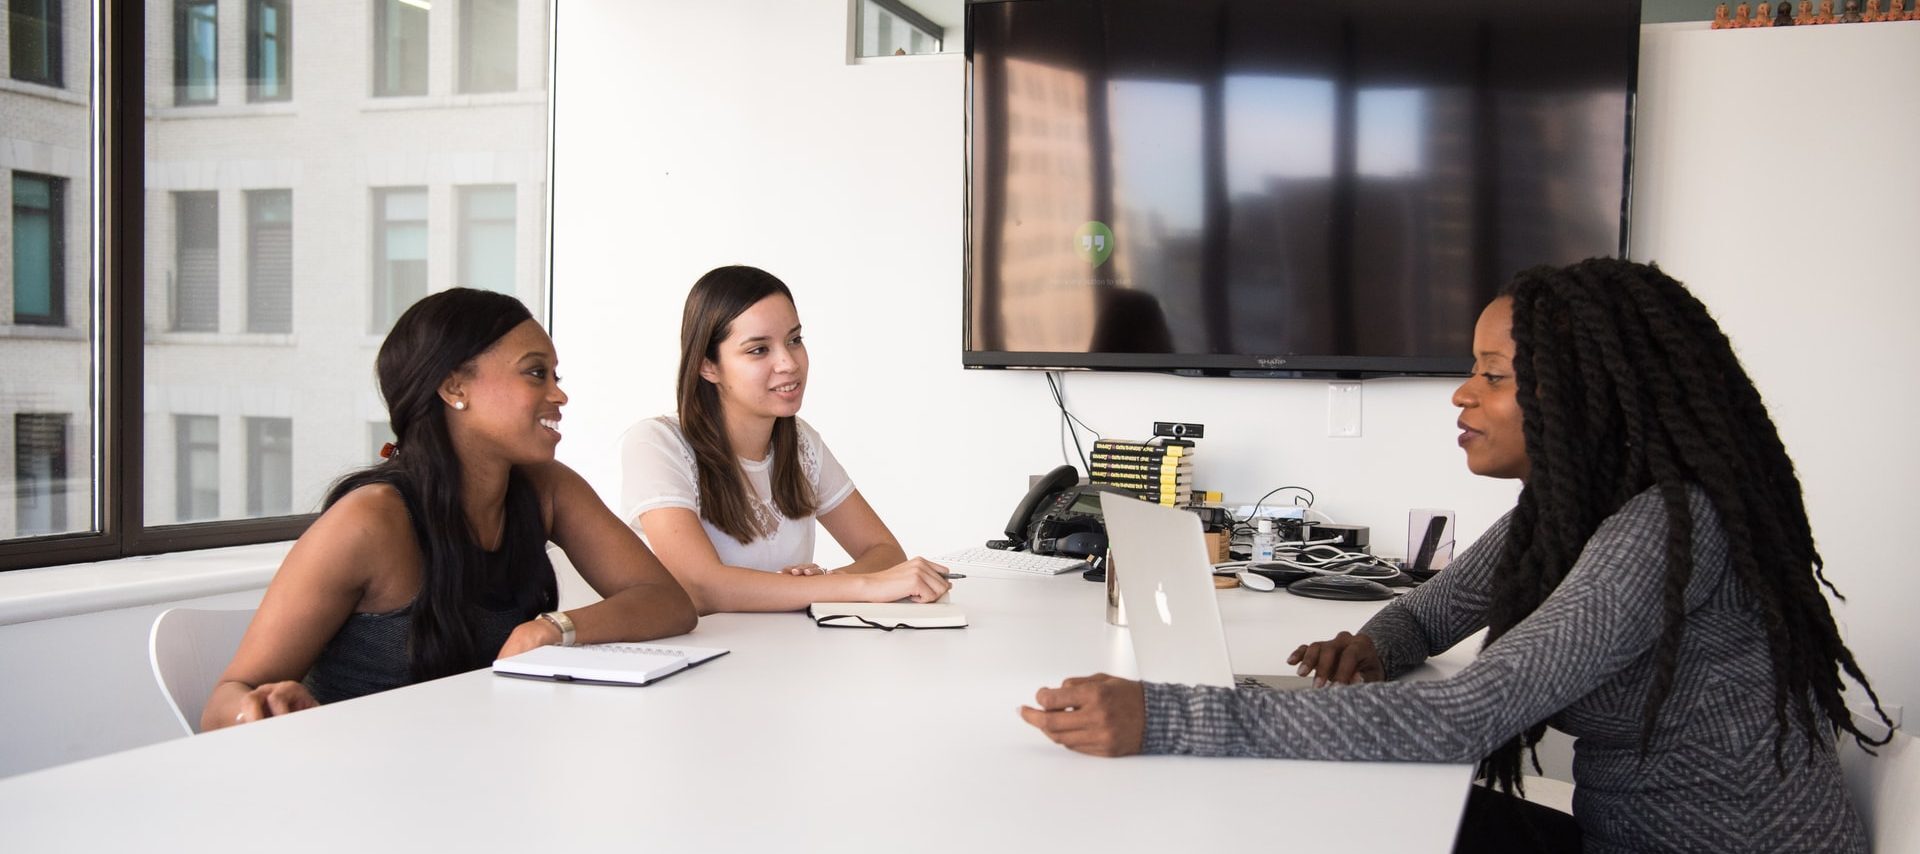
point(1583, 662)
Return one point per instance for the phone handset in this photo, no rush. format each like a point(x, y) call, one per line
point(1062, 477)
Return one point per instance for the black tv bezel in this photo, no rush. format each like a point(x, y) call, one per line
point(1278, 366)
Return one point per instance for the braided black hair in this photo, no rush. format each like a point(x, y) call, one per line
point(1625, 384)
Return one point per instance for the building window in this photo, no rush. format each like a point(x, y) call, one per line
point(33, 30)
point(400, 253)
point(269, 467)
point(196, 52)
point(196, 261)
point(892, 28)
point(400, 47)
point(269, 50)
point(270, 261)
point(196, 441)
point(489, 45)
point(487, 237)
point(39, 249)
point(40, 473)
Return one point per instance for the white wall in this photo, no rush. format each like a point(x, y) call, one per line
point(693, 135)
point(846, 182)
point(82, 686)
point(1778, 176)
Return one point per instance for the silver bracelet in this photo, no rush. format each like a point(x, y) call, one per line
point(564, 623)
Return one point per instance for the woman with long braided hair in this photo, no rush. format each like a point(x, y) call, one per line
point(1655, 593)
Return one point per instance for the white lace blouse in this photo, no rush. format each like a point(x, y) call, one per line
point(657, 470)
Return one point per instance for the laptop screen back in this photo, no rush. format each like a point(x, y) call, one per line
point(1159, 559)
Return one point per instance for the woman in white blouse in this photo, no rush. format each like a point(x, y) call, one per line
point(727, 492)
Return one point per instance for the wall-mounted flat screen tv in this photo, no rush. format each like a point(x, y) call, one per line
point(1281, 187)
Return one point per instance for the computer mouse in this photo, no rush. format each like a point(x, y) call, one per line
point(1256, 581)
point(1340, 587)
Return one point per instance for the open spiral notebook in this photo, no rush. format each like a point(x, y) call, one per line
point(605, 663)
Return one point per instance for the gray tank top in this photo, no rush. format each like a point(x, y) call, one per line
point(369, 653)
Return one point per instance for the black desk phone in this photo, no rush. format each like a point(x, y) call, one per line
point(1059, 516)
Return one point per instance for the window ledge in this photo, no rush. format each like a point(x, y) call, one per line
point(27, 595)
point(204, 111)
point(226, 339)
point(437, 102)
point(42, 90)
point(39, 332)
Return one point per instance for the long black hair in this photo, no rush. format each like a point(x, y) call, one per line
point(719, 297)
point(437, 337)
point(1625, 384)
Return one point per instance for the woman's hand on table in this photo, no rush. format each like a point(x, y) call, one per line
point(1100, 714)
point(273, 700)
point(1344, 659)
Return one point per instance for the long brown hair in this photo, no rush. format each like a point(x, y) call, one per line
point(716, 299)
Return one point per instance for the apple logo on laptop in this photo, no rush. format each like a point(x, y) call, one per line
point(1160, 600)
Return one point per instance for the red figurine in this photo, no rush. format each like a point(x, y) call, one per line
point(1806, 14)
point(1873, 12)
point(1720, 21)
point(1826, 13)
point(1741, 16)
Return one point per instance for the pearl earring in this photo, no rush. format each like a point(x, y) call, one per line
point(460, 405)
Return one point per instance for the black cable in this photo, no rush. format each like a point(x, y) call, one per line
point(1068, 421)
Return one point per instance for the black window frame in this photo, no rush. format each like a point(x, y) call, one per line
point(182, 10)
point(283, 35)
point(117, 310)
point(57, 253)
point(55, 50)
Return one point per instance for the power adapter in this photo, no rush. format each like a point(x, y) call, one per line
point(1353, 538)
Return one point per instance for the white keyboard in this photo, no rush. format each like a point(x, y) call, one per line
point(986, 561)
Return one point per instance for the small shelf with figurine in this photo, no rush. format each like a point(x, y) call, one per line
point(1746, 16)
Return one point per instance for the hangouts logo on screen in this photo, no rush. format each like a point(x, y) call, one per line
point(1094, 243)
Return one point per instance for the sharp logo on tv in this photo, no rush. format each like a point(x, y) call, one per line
point(1094, 242)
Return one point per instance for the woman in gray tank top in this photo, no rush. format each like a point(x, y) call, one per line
point(1655, 593)
point(433, 561)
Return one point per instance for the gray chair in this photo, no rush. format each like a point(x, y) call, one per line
point(189, 649)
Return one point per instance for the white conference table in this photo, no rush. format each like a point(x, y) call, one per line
point(803, 738)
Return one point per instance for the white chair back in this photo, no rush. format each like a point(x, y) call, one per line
point(1884, 787)
point(189, 649)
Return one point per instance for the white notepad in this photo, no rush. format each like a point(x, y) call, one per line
point(888, 615)
point(605, 663)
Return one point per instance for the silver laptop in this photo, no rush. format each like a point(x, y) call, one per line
point(1159, 559)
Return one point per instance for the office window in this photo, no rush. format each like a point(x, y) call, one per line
point(196, 261)
point(196, 441)
point(34, 41)
point(196, 51)
point(270, 261)
point(400, 253)
point(892, 28)
point(222, 262)
point(269, 50)
point(40, 473)
point(269, 466)
point(400, 47)
point(489, 45)
point(487, 237)
point(39, 249)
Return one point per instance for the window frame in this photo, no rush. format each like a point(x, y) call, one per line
point(283, 35)
point(256, 320)
point(116, 312)
point(56, 315)
point(55, 51)
point(181, 14)
point(380, 66)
